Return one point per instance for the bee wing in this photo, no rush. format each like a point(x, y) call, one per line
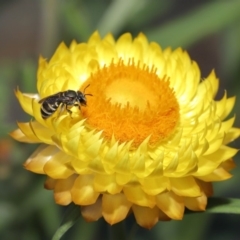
point(42, 100)
point(54, 96)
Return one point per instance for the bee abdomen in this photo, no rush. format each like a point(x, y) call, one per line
point(48, 109)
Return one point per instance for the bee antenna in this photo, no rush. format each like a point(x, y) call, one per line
point(86, 88)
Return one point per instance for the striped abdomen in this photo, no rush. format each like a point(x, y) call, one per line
point(49, 106)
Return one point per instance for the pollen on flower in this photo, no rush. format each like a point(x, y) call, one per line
point(131, 103)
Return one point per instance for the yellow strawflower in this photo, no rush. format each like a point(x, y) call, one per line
point(150, 141)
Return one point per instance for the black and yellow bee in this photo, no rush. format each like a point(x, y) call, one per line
point(65, 99)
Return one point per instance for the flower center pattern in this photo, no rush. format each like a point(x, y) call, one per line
point(131, 103)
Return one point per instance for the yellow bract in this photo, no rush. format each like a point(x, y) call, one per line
point(150, 140)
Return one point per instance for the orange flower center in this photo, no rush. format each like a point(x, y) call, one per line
point(131, 102)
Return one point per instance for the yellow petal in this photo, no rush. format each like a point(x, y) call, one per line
point(146, 217)
point(62, 190)
point(59, 166)
point(35, 131)
point(186, 186)
point(123, 179)
point(83, 191)
point(39, 158)
point(231, 135)
point(228, 107)
point(212, 161)
point(151, 185)
point(196, 204)
point(92, 212)
point(136, 195)
point(25, 101)
point(106, 183)
point(206, 187)
point(218, 174)
point(50, 183)
point(21, 137)
point(171, 204)
point(228, 165)
point(115, 207)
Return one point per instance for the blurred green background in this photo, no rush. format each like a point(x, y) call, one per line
point(209, 30)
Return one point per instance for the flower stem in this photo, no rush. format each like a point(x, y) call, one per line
point(117, 231)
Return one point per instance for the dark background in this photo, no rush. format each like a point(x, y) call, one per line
point(208, 30)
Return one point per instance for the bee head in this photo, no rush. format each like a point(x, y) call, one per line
point(81, 98)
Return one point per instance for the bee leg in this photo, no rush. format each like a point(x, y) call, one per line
point(69, 111)
point(61, 109)
point(77, 105)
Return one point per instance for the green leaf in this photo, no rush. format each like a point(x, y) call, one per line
point(76, 20)
point(146, 16)
point(28, 75)
point(190, 28)
point(118, 14)
point(71, 216)
point(230, 52)
point(222, 205)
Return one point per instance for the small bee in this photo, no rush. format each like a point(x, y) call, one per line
point(67, 98)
